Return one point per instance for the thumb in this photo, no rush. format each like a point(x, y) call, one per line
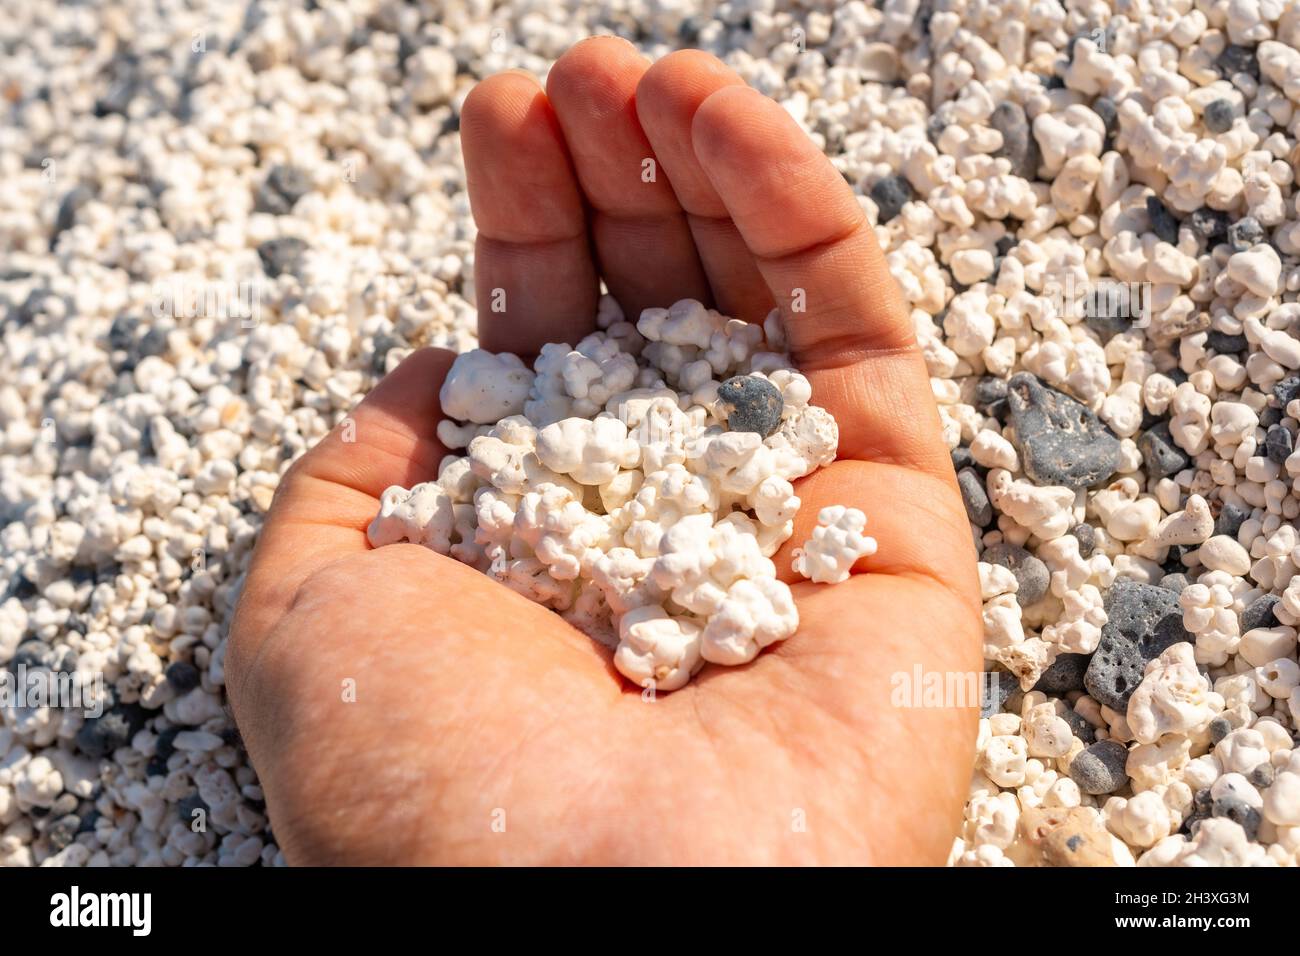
point(327, 497)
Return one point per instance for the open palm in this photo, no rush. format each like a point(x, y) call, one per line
point(401, 707)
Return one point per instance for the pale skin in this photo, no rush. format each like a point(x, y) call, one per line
point(486, 730)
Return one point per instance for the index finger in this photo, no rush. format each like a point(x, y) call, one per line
point(848, 326)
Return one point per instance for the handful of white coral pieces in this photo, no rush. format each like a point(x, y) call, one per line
point(638, 485)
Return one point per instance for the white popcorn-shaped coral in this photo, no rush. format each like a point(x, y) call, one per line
point(836, 543)
point(622, 499)
point(578, 381)
point(591, 451)
point(1217, 842)
point(756, 612)
point(1173, 697)
point(421, 515)
point(699, 561)
point(1078, 631)
point(1140, 821)
point(658, 649)
point(559, 530)
point(1047, 511)
point(484, 387)
point(1208, 613)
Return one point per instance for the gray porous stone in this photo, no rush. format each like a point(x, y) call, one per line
point(755, 404)
point(1063, 675)
point(1142, 620)
point(1176, 582)
point(1061, 441)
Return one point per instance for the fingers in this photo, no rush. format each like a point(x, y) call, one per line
point(326, 500)
point(848, 326)
point(803, 224)
point(667, 98)
point(534, 276)
point(642, 239)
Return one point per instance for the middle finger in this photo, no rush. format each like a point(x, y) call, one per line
point(642, 239)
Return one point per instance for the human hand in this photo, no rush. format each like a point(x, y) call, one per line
point(485, 729)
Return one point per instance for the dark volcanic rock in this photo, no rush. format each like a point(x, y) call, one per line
point(991, 396)
point(281, 255)
point(1163, 223)
point(1064, 675)
point(755, 404)
point(974, 497)
point(1223, 343)
point(1018, 143)
point(1238, 59)
point(1161, 453)
point(1031, 574)
point(1104, 107)
point(1245, 232)
point(1086, 535)
point(1100, 768)
point(890, 195)
point(1061, 441)
point(1210, 223)
point(1218, 116)
point(1278, 444)
point(1287, 390)
point(1230, 519)
point(997, 687)
point(1259, 613)
point(1142, 620)
point(284, 186)
point(100, 736)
